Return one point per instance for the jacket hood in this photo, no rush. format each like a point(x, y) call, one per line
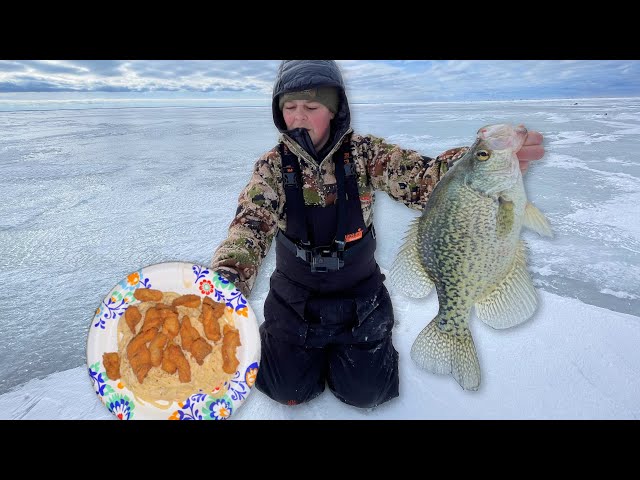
point(296, 75)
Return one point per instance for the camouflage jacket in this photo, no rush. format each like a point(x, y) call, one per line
point(405, 175)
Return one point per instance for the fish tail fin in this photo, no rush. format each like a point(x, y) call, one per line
point(446, 353)
point(407, 272)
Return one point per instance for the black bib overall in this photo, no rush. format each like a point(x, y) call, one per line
point(328, 316)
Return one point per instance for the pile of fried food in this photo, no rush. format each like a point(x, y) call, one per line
point(164, 337)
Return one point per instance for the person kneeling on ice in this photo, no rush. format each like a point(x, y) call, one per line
point(328, 316)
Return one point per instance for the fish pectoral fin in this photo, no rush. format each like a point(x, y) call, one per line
point(514, 300)
point(506, 215)
point(445, 353)
point(535, 220)
point(407, 272)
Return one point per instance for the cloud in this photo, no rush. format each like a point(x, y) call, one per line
point(33, 86)
point(11, 66)
point(52, 67)
point(106, 68)
point(367, 80)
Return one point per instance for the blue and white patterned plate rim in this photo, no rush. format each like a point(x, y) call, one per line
point(183, 278)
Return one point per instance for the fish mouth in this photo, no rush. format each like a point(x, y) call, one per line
point(503, 136)
point(521, 133)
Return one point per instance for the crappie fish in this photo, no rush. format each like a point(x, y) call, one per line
point(467, 243)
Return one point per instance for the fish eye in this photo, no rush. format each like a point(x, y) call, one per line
point(482, 155)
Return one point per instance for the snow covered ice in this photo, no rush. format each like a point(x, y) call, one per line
point(90, 195)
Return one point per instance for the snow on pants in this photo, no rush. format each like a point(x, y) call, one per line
point(309, 340)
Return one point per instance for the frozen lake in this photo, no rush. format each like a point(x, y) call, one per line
point(90, 195)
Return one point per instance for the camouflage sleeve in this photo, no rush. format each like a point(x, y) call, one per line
point(252, 230)
point(405, 175)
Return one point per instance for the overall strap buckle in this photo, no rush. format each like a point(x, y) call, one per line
point(289, 177)
point(322, 259)
point(326, 259)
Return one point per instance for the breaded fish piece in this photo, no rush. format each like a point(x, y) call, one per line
point(230, 341)
point(208, 301)
point(141, 362)
point(171, 326)
point(156, 347)
point(111, 362)
point(139, 355)
point(147, 295)
point(218, 308)
point(139, 341)
point(176, 356)
point(164, 306)
point(132, 316)
point(200, 348)
point(153, 319)
point(190, 300)
point(188, 334)
point(210, 323)
point(167, 365)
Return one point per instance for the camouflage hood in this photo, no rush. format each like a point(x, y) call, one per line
point(296, 75)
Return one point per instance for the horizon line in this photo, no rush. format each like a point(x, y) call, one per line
point(83, 103)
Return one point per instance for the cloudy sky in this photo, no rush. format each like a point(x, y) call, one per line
point(369, 81)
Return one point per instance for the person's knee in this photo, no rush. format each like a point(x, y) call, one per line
point(287, 393)
point(369, 396)
point(359, 400)
point(371, 380)
point(285, 380)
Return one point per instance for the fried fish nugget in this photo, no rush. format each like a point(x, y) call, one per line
point(142, 371)
point(176, 356)
point(156, 347)
point(189, 300)
point(147, 295)
point(166, 313)
point(139, 341)
point(168, 366)
point(152, 319)
point(171, 325)
point(188, 334)
point(163, 306)
point(230, 341)
point(229, 329)
point(200, 348)
point(132, 316)
point(111, 362)
point(209, 301)
point(210, 323)
point(218, 308)
point(141, 362)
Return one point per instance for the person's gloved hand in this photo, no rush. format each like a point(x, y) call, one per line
point(234, 277)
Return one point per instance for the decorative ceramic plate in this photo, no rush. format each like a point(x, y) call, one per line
point(183, 278)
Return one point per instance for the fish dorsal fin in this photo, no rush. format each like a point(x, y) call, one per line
point(535, 220)
point(514, 300)
point(407, 272)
